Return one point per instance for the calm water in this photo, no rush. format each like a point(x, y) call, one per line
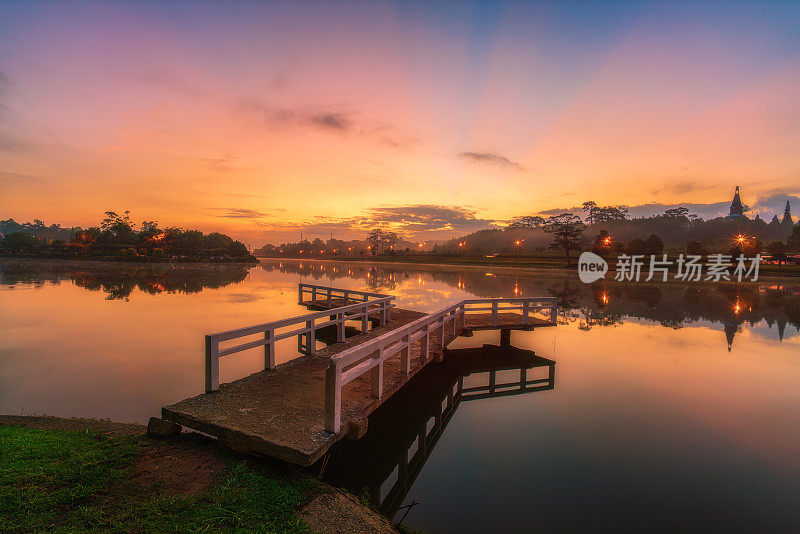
point(671, 406)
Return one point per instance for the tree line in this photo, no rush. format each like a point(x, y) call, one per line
point(117, 237)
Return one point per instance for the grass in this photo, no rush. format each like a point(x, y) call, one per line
point(64, 481)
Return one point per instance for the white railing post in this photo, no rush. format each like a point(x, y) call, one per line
point(346, 297)
point(269, 350)
point(212, 364)
point(333, 398)
point(340, 327)
point(494, 313)
point(554, 312)
point(453, 318)
point(365, 319)
point(425, 344)
point(313, 295)
point(376, 378)
point(300, 290)
point(384, 313)
point(329, 298)
point(441, 332)
point(405, 360)
point(526, 312)
point(312, 337)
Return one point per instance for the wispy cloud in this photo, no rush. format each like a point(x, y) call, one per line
point(491, 158)
point(242, 213)
point(221, 163)
point(426, 217)
point(681, 187)
point(330, 120)
point(334, 121)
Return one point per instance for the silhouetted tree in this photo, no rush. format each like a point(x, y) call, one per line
point(589, 206)
point(696, 248)
point(567, 230)
point(19, 242)
point(602, 243)
point(637, 246)
point(778, 250)
point(654, 245)
point(793, 241)
point(528, 221)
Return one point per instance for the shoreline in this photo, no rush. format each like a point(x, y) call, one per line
point(106, 262)
point(163, 473)
point(521, 269)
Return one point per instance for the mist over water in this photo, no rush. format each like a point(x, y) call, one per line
point(673, 405)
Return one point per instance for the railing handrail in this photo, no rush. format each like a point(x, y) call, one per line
point(227, 335)
point(371, 355)
point(342, 290)
point(346, 357)
point(373, 345)
point(363, 310)
point(510, 299)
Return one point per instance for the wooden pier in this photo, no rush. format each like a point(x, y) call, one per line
point(297, 410)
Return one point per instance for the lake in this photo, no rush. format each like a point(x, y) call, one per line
point(671, 406)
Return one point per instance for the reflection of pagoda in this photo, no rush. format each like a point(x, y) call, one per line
point(737, 208)
point(730, 332)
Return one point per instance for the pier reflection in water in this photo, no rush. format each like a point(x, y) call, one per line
point(402, 433)
point(654, 424)
point(727, 306)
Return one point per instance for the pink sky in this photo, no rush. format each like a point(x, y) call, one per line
point(261, 120)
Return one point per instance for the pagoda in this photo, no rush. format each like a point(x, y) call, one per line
point(737, 208)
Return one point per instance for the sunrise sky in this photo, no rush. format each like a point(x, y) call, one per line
point(266, 119)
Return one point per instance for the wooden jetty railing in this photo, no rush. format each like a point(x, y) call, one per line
point(379, 307)
point(370, 356)
point(327, 296)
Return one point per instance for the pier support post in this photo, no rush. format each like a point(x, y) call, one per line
point(505, 338)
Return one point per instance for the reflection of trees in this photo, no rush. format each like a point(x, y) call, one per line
point(603, 303)
point(119, 282)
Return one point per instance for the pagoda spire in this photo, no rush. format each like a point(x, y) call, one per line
point(787, 214)
point(737, 208)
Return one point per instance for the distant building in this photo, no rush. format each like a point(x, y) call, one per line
point(737, 208)
point(787, 215)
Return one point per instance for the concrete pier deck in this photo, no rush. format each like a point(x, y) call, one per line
point(280, 411)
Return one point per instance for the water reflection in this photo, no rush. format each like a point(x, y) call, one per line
point(602, 304)
point(653, 421)
point(403, 432)
point(119, 281)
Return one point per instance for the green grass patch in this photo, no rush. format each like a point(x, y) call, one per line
point(47, 477)
point(78, 482)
